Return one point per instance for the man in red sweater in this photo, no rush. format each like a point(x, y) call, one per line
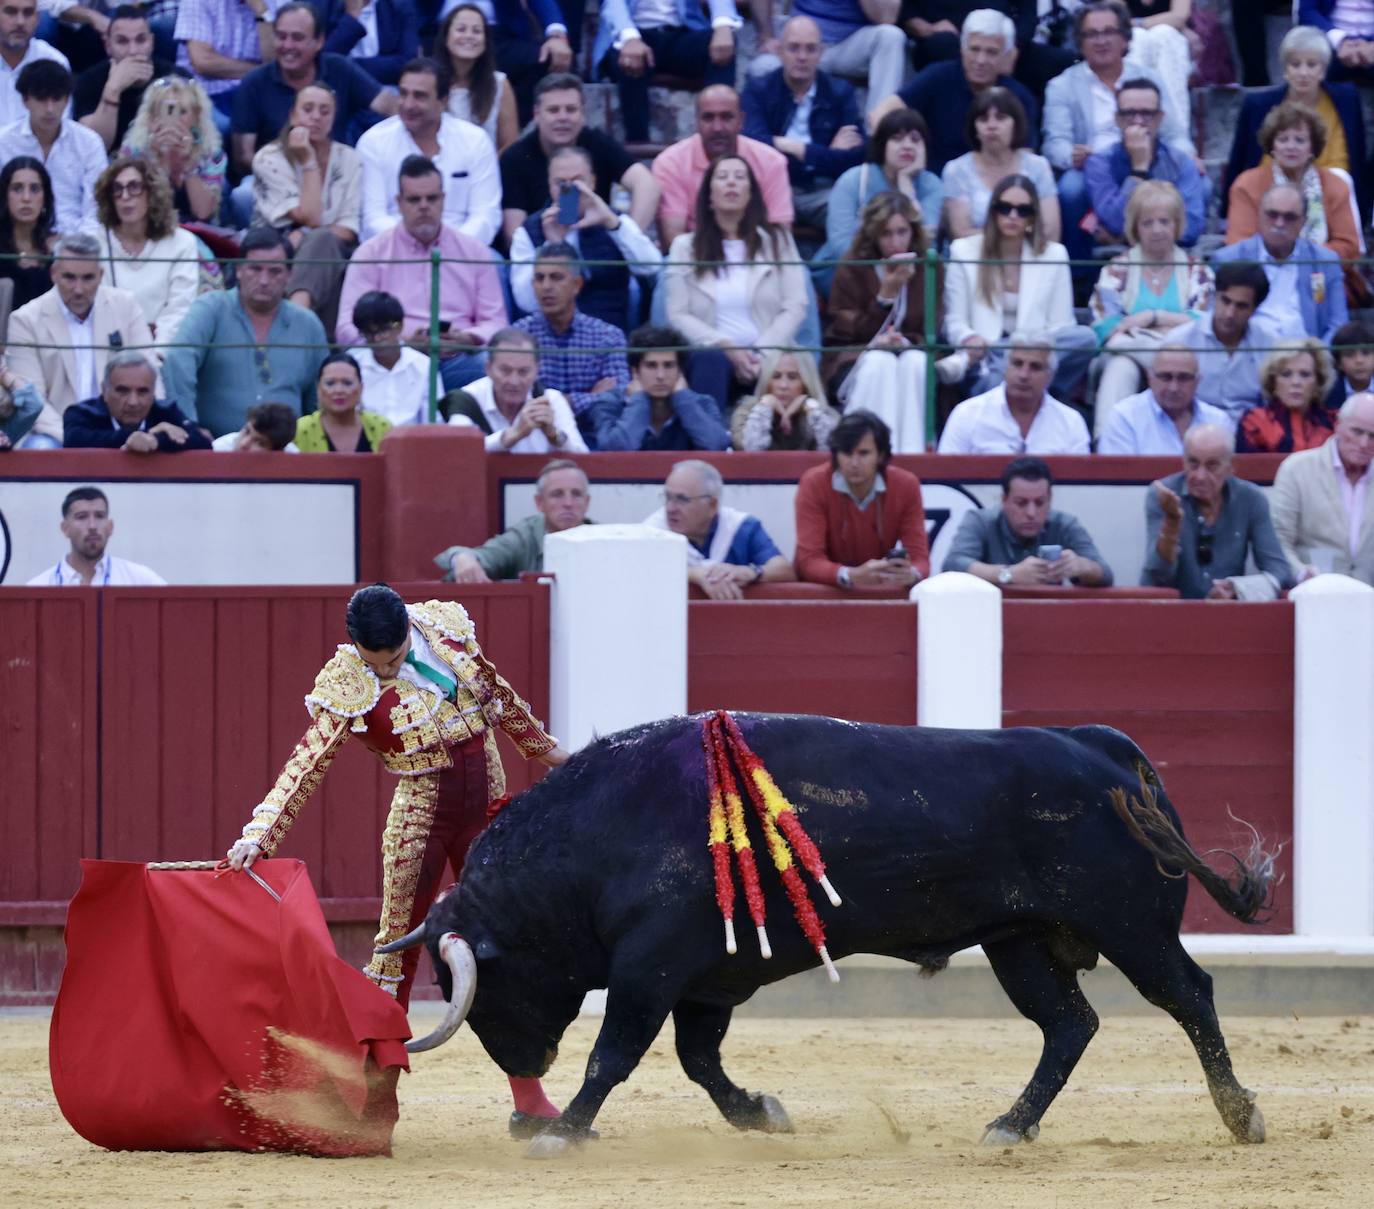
point(860, 523)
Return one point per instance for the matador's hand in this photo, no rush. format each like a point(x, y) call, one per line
point(555, 756)
point(243, 854)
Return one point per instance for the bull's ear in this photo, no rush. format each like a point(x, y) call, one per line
point(486, 950)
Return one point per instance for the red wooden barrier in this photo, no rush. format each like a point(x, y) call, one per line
point(1206, 690)
point(843, 658)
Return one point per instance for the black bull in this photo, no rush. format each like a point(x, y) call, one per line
point(1047, 847)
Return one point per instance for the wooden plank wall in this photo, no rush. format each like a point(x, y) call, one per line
point(1207, 693)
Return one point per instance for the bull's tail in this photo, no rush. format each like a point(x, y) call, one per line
point(1245, 897)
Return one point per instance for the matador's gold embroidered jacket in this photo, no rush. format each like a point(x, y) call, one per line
point(405, 726)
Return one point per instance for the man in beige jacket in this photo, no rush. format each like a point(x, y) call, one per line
point(61, 340)
point(1322, 502)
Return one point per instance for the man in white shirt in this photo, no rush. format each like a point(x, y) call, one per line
point(395, 375)
point(1153, 422)
point(506, 408)
point(73, 154)
point(19, 48)
point(462, 152)
point(87, 525)
point(1019, 416)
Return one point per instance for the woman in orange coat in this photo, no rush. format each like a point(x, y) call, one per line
point(1293, 136)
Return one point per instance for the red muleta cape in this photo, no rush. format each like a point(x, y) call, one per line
point(198, 1013)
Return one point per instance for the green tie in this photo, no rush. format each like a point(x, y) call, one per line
point(448, 686)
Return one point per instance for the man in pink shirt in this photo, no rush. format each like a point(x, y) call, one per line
point(471, 305)
point(679, 169)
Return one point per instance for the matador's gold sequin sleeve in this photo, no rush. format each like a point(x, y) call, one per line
point(515, 716)
point(299, 779)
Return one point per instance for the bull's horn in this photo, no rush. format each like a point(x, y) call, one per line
point(456, 953)
point(412, 938)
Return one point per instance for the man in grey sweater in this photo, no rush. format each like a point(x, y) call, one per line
point(1025, 541)
point(561, 495)
point(1204, 523)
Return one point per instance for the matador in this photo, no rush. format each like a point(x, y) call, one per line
point(416, 689)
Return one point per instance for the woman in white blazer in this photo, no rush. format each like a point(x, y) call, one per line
point(1029, 290)
point(726, 291)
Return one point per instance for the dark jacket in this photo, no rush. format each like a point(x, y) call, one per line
point(768, 108)
point(88, 425)
point(398, 37)
point(854, 316)
point(1245, 148)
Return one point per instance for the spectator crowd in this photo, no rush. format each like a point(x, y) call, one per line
point(240, 224)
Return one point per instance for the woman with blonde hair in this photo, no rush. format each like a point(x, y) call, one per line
point(1294, 137)
point(790, 411)
point(1011, 278)
point(1305, 55)
point(877, 321)
point(1293, 383)
point(1145, 293)
point(734, 285)
point(175, 128)
point(146, 251)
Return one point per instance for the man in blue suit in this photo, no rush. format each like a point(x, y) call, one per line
point(1314, 290)
point(638, 38)
point(395, 29)
point(808, 115)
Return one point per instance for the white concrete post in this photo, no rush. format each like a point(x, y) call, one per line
point(958, 652)
point(1333, 758)
point(618, 631)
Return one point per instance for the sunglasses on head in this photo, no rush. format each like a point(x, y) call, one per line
point(1008, 209)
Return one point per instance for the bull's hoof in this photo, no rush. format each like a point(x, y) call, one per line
point(999, 1134)
point(525, 1125)
point(1254, 1132)
point(550, 1145)
point(773, 1116)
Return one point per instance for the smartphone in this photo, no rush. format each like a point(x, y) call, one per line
point(1050, 553)
point(897, 554)
point(569, 205)
point(537, 390)
point(444, 327)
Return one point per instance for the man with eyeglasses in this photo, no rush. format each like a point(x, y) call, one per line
point(1140, 155)
point(395, 375)
point(246, 345)
point(1323, 507)
point(727, 550)
point(1155, 421)
point(1304, 277)
point(1080, 110)
point(1203, 525)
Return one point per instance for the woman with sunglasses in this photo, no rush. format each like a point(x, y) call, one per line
point(340, 425)
point(27, 214)
point(146, 252)
point(1293, 385)
point(1012, 278)
point(996, 128)
point(1144, 293)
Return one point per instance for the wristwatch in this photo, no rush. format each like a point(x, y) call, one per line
point(1004, 576)
point(842, 578)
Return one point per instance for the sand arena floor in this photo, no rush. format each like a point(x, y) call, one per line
point(887, 1113)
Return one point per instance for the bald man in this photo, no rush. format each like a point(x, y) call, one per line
point(1203, 524)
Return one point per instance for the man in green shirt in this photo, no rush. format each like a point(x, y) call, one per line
point(561, 495)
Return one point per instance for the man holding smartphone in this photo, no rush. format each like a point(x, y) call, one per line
point(1023, 540)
